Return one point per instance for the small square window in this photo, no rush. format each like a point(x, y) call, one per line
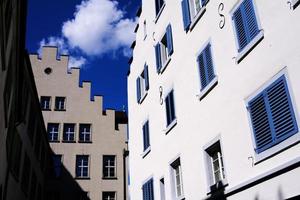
point(215, 163)
point(69, 133)
point(60, 103)
point(108, 195)
point(177, 179)
point(85, 133)
point(109, 166)
point(53, 132)
point(82, 166)
point(46, 103)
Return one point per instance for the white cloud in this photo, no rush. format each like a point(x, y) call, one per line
point(99, 27)
point(76, 62)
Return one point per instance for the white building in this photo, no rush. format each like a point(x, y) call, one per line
point(214, 100)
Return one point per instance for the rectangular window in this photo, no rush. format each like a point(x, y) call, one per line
point(191, 11)
point(158, 6)
point(69, 133)
point(272, 115)
point(146, 137)
point(46, 103)
point(57, 165)
point(147, 188)
point(82, 166)
point(245, 22)
point(60, 103)
point(142, 84)
point(109, 166)
point(164, 50)
point(215, 163)
point(206, 67)
point(177, 177)
point(25, 174)
point(53, 132)
point(170, 108)
point(109, 195)
point(85, 133)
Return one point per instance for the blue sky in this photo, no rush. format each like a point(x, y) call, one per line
point(96, 33)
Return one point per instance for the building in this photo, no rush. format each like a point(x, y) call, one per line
point(89, 141)
point(214, 99)
point(24, 149)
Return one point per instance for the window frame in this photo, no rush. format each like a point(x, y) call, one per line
point(114, 192)
point(58, 132)
point(83, 166)
point(147, 150)
point(158, 11)
point(41, 101)
point(171, 125)
point(288, 142)
point(240, 55)
point(68, 135)
point(295, 4)
point(143, 83)
point(173, 166)
point(90, 133)
point(64, 106)
point(114, 167)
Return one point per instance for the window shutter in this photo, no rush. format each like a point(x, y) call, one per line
point(144, 192)
point(240, 29)
point(203, 2)
point(167, 101)
point(146, 135)
point(158, 57)
point(185, 14)
point(169, 39)
point(210, 74)
point(138, 89)
point(202, 70)
point(146, 76)
point(272, 115)
point(151, 196)
point(252, 27)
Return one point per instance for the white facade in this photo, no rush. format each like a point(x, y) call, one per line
point(219, 111)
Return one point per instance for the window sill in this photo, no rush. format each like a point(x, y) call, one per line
point(159, 13)
point(241, 55)
point(217, 186)
point(146, 152)
point(54, 141)
point(197, 18)
point(88, 142)
point(295, 4)
point(66, 141)
point(208, 88)
point(62, 110)
point(278, 148)
point(182, 197)
point(82, 178)
point(46, 109)
point(143, 97)
point(170, 126)
point(162, 69)
point(109, 178)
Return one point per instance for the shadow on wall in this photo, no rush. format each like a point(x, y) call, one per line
point(218, 192)
point(62, 185)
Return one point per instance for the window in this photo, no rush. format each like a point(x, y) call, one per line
point(177, 179)
point(206, 69)
point(84, 133)
point(272, 115)
point(164, 50)
point(57, 165)
point(60, 103)
point(146, 137)
point(192, 11)
point(69, 133)
point(147, 188)
point(142, 85)
point(25, 174)
point(109, 195)
point(159, 4)
point(170, 109)
point(215, 163)
point(45, 103)
point(82, 166)
point(109, 166)
point(53, 132)
point(162, 189)
point(246, 27)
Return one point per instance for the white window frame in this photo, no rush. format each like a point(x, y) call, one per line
point(176, 164)
point(295, 4)
point(285, 144)
point(194, 14)
point(241, 55)
point(164, 56)
point(162, 188)
point(143, 90)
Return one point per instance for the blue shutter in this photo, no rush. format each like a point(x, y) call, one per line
point(185, 14)
point(272, 115)
point(146, 135)
point(138, 89)
point(245, 23)
point(169, 40)
point(172, 108)
point(146, 76)
point(202, 70)
point(203, 2)
point(158, 57)
point(151, 195)
point(144, 192)
point(206, 67)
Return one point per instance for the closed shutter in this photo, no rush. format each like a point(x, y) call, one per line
point(158, 57)
point(245, 23)
point(206, 67)
point(170, 109)
point(148, 190)
point(185, 14)
point(272, 115)
point(146, 76)
point(138, 89)
point(169, 40)
point(146, 135)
